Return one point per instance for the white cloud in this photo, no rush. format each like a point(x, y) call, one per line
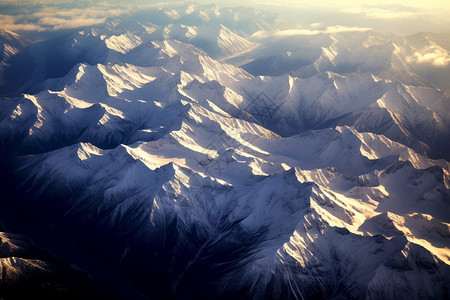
point(55, 18)
point(60, 23)
point(381, 13)
point(291, 32)
point(74, 18)
point(9, 23)
point(433, 55)
point(262, 34)
point(314, 25)
point(339, 28)
point(300, 31)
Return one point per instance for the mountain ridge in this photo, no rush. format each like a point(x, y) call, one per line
point(181, 172)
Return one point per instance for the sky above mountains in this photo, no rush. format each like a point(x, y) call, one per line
point(402, 17)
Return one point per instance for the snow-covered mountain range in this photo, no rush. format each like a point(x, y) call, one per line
point(149, 150)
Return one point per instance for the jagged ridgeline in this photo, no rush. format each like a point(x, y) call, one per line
point(192, 161)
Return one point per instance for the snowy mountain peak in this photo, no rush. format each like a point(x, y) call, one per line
point(324, 176)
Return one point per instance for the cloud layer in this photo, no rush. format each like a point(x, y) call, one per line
point(382, 13)
point(55, 18)
point(301, 31)
point(433, 55)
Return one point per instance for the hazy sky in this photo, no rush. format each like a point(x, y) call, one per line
point(430, 4)
point(404, 17)
point(415, 3)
